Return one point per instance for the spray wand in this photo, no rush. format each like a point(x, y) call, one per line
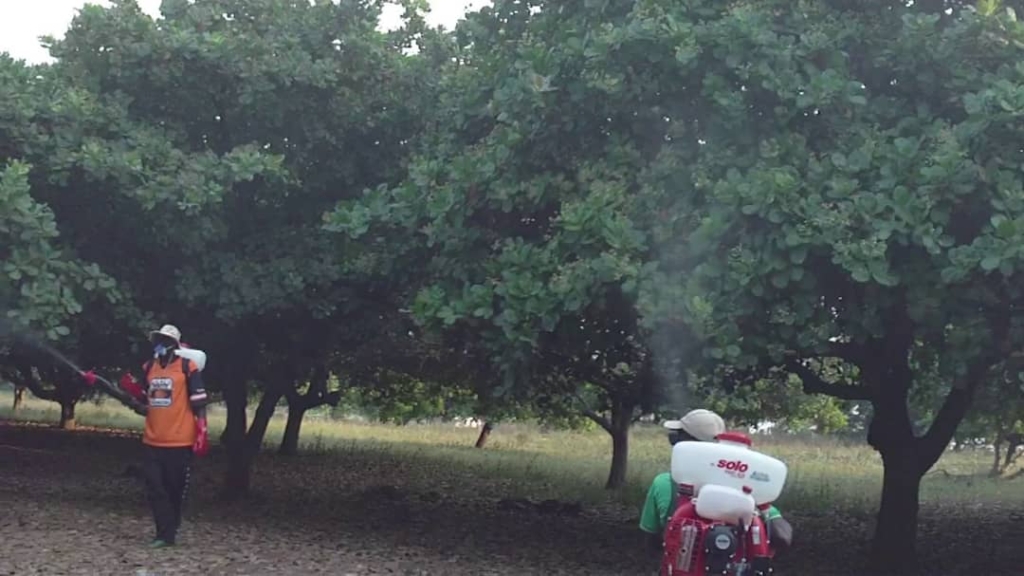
point(90, 377)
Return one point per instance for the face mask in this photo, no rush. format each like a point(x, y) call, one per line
point(676, 436)
point(159, 350)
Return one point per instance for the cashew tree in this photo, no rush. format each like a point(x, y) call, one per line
point(307, 103)
point(523, 209)
point(846, 191)
point(75, 170)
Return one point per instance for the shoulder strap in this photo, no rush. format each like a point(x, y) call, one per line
point(149, 365)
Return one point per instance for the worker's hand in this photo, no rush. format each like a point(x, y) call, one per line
point(89, 377)
point(129, 385)
point(139, 408)
point(781, 533)
point(202, 445)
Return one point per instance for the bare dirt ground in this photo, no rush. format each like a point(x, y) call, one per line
point(66, 508)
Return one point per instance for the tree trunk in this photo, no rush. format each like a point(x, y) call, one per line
point(1013, 441)
point(237, 479)
point(620, 460)
point(905, 460)
point(299, 404)
point(998, 456)
point(894, 543)
point(236, 396)
point(622, 420)
point(260, 421)
point(891, 433)
point(242, 454)
point(485, 433)
point(19, 397)
point(67, 415)
point(618, 428)
point(290, 441)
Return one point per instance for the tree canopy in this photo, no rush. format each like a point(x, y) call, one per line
point(854, 196)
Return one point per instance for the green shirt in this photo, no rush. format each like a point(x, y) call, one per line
point(661, 503)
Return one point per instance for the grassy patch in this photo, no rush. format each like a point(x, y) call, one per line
point(825, 474)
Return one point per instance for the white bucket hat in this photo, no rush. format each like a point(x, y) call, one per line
point(702, 424)
point(168, 330)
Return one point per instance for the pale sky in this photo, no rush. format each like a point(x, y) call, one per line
point(24, 21)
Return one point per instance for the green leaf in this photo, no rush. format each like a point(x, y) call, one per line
point(990, 263)
point(885, 278)
point(973, 104)
point(907, 146)
point(1006, 229)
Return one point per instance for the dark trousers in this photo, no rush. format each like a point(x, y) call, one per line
point(167, 471)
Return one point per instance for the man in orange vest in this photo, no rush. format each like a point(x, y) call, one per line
point(175, 409)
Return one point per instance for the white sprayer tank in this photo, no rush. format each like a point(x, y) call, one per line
point(731, 465)
point(196, 356)
point(724, 504)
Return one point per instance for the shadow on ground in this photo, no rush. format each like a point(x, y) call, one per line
point(69, 508)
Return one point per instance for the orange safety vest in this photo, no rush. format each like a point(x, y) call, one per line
point(170, 422)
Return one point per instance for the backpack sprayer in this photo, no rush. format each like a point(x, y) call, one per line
point(725, 492)
point(197, 357)
point(131, 394)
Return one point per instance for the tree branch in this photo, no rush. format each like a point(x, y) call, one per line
point(317, 394)
point(597, 418)
point(292, 395)
point(333, 399)
point(852, 353)
point(946, 421)
point(958, 401)
point(814, 384)
point(24, 377)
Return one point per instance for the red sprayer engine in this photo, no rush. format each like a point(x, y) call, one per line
point(725, 491)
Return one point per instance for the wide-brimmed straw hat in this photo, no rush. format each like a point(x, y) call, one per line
point(169, 331)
